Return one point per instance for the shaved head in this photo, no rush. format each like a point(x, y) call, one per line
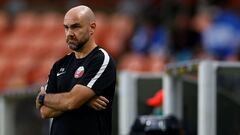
point(80, 24)
point(82, 11)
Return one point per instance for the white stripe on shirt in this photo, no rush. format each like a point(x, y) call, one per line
point(101, 70)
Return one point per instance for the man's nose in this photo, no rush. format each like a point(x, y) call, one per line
point(70, 33)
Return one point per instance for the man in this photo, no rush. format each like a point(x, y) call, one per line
point(81, 85)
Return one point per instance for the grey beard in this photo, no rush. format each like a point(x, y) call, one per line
point(76, 48)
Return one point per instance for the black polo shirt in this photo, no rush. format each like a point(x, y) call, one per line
point(97, 71)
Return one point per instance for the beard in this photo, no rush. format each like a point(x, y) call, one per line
point(76, 46)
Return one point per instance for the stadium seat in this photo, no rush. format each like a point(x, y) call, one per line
point(118, 33)
point(133, 62)
point(39, 73)
point(101, 32)
point(3, 23)
point(51, 24)
point(25, 24)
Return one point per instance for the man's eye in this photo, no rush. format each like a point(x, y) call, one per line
point(75, 26)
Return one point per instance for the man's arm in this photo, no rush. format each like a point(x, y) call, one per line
point(69, 100)
point(97, 102)
point(47, 112)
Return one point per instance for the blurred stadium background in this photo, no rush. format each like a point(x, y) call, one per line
point(144, 36)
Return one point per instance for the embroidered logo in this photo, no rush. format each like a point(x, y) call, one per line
point(79, 72)
point(61, 71)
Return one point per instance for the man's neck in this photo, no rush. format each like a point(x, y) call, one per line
point(87, 48)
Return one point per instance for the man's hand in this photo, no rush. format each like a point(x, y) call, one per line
point(42, 91)
point(47, 112)
point(98, 103)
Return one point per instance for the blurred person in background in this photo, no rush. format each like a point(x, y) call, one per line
point(149, 43)
point(185, 42)
point(219, 30)
point(81, 85)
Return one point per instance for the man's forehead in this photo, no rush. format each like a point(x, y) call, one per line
point(73, 18)
point(69, 21)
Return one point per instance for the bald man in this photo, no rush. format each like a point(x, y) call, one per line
point(81, 85)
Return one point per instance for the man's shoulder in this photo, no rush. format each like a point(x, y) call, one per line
point(64, 58)
point(101, 53)
point(105, 58)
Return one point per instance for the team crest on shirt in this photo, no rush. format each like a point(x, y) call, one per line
point(79, 72)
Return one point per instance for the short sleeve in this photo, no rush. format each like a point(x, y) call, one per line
point(52, 80)
point(100, 73)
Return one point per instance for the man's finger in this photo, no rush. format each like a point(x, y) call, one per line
point(42, 88)
point(37, 105)
point(101, 102)
point(104, 99)
point(43, 91)
point(100, 107)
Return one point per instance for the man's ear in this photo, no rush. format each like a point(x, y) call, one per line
point(92, 28)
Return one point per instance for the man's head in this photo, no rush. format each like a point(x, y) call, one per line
point(79, 23)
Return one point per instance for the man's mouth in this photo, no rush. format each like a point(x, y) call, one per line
point(70, 41)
